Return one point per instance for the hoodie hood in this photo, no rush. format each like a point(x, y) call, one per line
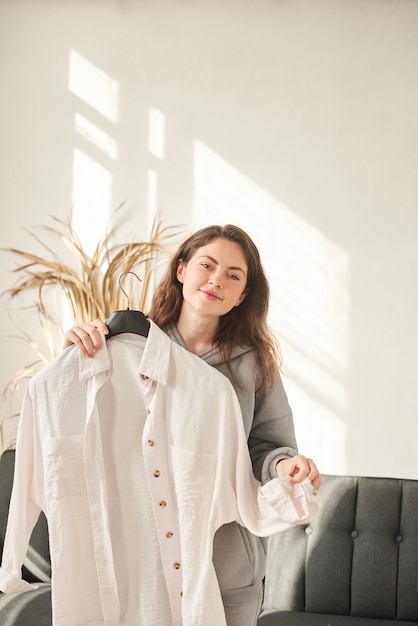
point(212, 356)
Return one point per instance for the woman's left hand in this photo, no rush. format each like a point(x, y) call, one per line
point(298, 468)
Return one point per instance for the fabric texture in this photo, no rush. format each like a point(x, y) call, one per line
point(239, 556)
point(197, 451)
point(266, 413)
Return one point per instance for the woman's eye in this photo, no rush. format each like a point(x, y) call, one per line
point(234, 277)
point(206, 266)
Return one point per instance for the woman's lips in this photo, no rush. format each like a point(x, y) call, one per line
point(210, 295)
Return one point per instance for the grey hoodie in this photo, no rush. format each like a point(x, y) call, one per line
point(239, 557)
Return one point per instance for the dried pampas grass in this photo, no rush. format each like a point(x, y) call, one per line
point(88, 283)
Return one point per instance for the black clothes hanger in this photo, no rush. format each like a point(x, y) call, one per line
point(127, 321)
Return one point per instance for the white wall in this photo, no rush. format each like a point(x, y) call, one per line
point(294, 119)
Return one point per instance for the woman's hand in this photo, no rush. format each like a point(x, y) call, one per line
point(298, 468)
point(87, 337)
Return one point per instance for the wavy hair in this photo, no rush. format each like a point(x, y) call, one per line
point(244, 325)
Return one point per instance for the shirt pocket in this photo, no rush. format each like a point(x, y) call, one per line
point(65, 467)
point(194, 478)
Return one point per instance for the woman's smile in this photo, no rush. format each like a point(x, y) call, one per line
point(210, 294)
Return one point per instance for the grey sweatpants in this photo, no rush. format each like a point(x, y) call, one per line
point(242, 614)
point(240, 561)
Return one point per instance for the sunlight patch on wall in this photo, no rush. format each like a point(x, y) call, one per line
point(94, 86)
point(96, 136)
point(92, 192)
point(92, 181)
point(156, 149)
point(310, 299)
point(156, 133)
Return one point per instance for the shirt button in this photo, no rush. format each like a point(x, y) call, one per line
point(148, 411)
point(169, 534)
point(176, 565)
point(144, 377)
point(163, 503)
point(150, 443)
point(157, 473)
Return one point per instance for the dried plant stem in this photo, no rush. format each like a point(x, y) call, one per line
point(88, 283)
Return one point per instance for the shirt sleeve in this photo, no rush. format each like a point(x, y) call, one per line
point(23, 510)
point(263, 509)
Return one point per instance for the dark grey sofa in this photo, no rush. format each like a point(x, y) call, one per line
point(32, 608)
point(356, 564)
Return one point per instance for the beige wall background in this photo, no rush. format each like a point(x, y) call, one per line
point(296, 120)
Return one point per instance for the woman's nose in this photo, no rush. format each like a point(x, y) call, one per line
point(216, 279)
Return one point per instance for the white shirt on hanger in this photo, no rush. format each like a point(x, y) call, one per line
point(137, 457)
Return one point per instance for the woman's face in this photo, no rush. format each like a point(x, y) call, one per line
point(214, 278)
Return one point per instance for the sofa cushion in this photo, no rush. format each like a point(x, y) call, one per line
point(32, 608)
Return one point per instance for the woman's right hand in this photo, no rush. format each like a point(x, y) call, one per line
point(87, 337)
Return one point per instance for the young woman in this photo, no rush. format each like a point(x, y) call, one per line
point(213, 301)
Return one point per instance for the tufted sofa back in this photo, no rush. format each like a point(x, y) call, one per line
point(358, 558)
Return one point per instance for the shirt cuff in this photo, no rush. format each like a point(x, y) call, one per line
point(12, 584)
point(295, 503)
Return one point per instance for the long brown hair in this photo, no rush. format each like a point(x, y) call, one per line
point(244, 325)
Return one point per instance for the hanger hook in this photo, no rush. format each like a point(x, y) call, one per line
point(122, 289)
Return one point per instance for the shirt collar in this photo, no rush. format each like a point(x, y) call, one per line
point(154, 362)
point(156, 357)
point(92, 366)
